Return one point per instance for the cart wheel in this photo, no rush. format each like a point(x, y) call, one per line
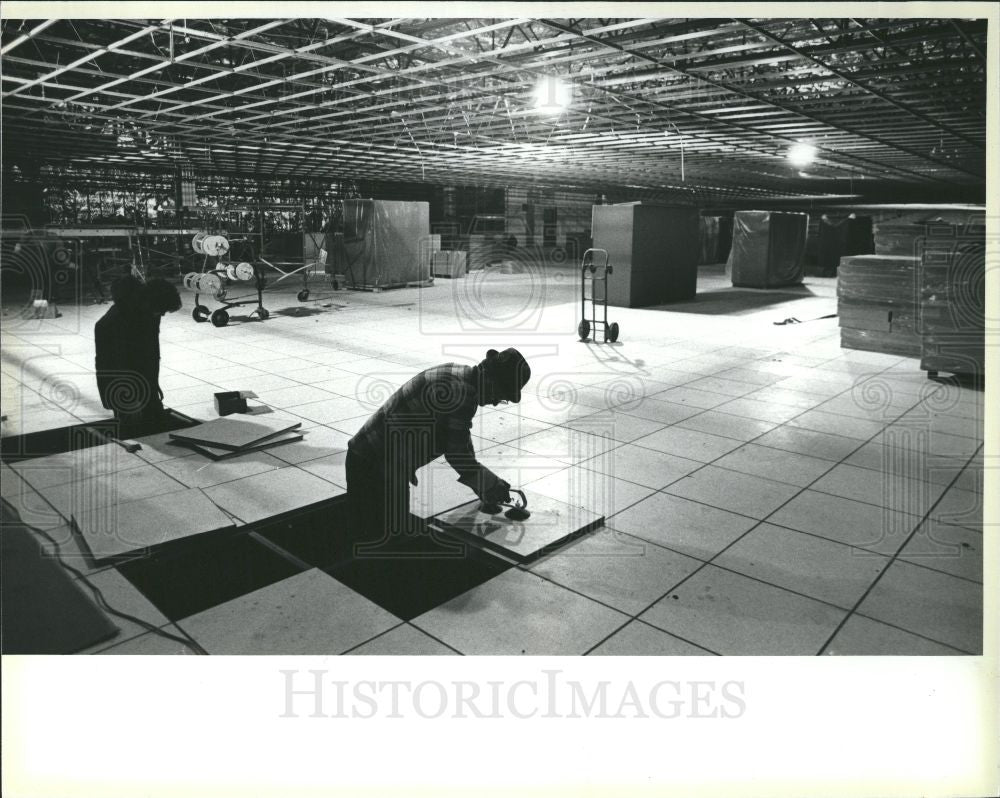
point(613, 335)
point(220, 318)
point(200, 313)
point(263, 313)
point(583, 330)
point(303, 295)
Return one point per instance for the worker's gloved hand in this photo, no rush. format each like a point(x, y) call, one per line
point(498, 493)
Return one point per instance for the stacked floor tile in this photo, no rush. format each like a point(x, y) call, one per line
point(877, 303)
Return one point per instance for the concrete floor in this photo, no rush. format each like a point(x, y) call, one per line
point(766, 492)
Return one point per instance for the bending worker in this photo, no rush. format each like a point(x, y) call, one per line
point(429, 416)
point(127, 347)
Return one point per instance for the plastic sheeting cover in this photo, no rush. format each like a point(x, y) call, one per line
point(385, 243)
point(768, 248)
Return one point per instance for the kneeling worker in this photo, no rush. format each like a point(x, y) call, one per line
point(429, 416)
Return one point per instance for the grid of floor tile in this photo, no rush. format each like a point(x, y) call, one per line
point(781, 496)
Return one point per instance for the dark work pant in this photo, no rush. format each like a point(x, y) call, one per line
point(378, 500)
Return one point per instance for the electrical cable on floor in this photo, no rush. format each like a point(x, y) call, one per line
point(103, 602)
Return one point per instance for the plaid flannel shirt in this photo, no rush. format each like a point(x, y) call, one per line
point(429, 416)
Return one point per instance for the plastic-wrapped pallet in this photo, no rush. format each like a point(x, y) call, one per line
point(877, 302)
point(449, 263)
point(381, 244)
point(768, 248)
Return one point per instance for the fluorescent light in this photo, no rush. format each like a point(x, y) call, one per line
point(801, 154)
point(552, 96)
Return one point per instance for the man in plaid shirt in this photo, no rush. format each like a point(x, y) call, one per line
point(429, 416)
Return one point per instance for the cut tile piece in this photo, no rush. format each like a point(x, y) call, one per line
point(733, 491)
point(122, 529)
point(641, 639)
point(642, 466)
point(813, 566)
point(729, 426)
point(733, 614)
point(878, 529)
point(214, 453)
point(261, 496)
point(780, 466)
point(616, 569)
point(953, 550)
point(520, 613)
point(235, 433)
point(310, 613)
point(688, 443)
point(404, 640)
point(551, 523)
point(860, 636)
point(929, 603)
point(686, 526)
point(810, 442)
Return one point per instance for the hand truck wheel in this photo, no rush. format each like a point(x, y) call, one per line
point(303, 295)
point(583, 330)
point(263, 313)
point(220, 318)
point(611, 334)
point(200, 313)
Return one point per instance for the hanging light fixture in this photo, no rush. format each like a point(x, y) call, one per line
point(552, 95)
point(801, 154)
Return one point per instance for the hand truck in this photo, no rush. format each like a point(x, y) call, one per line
point(591, 266)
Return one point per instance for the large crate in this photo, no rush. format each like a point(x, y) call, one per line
point(386, 243)
point(768, 248)
point(653, 250)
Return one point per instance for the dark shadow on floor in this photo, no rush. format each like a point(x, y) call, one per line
point(737, 300)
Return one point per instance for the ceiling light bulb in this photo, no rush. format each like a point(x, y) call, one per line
point(801, 154)
point(552, 96)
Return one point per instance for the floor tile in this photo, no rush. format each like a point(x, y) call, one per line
point(733, 491)
point(552, 521)
point(938, 444)
point(520, 613)
point(929, 603)
point(692, 397)
point(723, 386)
point(328, 411)
point(953, 550)
point(284, 490)
point(504, 427)
point(857, 524)
point(404, 640)
point(122, 529)
point(912, 463)
point(31, 506)
point(295, 395)
point(813, 566)
point(959, 508)
point(860, 636)
point(317, 442)
point(622, 427)
point(438, 490)
point(831, 423)
point(879, 488)
point(516, 466)
point(310, 613)
point(729, 426)
point(86, 495)
point(685, 526)
point(152, 644)
point(655, 410)
point(784, 396)
point(59, 469)
point(591, 490)
point(642, 466)
point(810, 442)
point(200, 472)
point(159, 447)
point(622, 571)
point(747, 407)
point(775, 464)
point(688, 443)
point(732, 614)
point(332, 468)
point(641, 639)
point(565, 444)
